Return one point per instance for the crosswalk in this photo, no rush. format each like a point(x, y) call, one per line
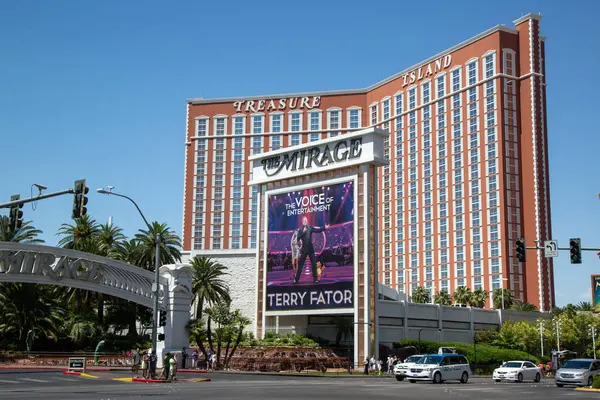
point(46, 379)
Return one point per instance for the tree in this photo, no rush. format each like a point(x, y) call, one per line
point(110, 240)
point(518, 335)
point(420, 295)
point(478, 298)
point(169, 246)
point(497, 298)
point(228, 329)
point(208, 284)
point(80, 236)
point(520, 305)
point(344, 327)
point(26, 306)
point(462, 295)
point(25, 234)
point(584, 306)
point(442, 298)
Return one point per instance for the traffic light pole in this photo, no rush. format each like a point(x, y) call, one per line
point(31, 199)
point(565, 248)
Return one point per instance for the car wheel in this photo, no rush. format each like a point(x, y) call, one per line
point(437, 378)
point(411, 380)
point(399, 378)
point(559, 385)
point(464, 378)
point(538, 377)
point(497, 380)
point(520, 377)
point(590, 381)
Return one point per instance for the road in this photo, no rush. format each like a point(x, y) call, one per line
point(54, 385)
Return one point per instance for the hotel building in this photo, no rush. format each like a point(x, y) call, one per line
point(467, 174)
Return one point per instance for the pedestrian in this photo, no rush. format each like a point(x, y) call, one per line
point(372, 363)
point(379, 367)
point(137, 360)
point(173, 367)
point(145, 365)
point(195, 359)
point(151, 364)
point(166, 366)
point(183, 358)
point(366, 364)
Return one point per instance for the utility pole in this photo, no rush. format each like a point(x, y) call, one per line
point(541, 329)
point(558, 325)
point(592, 331)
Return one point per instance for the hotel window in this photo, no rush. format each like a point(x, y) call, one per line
point(493, 216)
point(220, 126)
point(495, 249)
point(386, 113)
point(238, 125)
point(444, 243)
point(456, 116)
point(443, 210)
point(472, 72)
point(475, 204)
point(491, 167)
point(398, 104)
point(354, 115)
point(476, 253)
point(295, 126)
point(238, 155)
point(441, 87)
point(473, 140)
point(425, 92)
point(474, 171)
point(476, 219)
point(219, 170)
point(475, 187)
point(458, 191)
point(218, 193)
point(444, 225)
point(456, 80)
point(460, 269)
point(477, 270)
point(216, 241)
point(374, 115)
point(315, 125)
point(334, 121)
point(219, 144)
point(238, 143)
point(257, 127)
point(494, 232)
point(219, 156)
point(495, 265)
point(276, 128)
point(474, 156)
point(489, 65)
point(412, 98)
point(201, 127)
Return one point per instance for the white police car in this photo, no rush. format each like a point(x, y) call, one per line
point(440, 367)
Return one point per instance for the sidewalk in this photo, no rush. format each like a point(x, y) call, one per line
point(32, 368)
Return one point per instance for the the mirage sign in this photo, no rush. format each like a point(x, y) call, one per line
point(356, 148)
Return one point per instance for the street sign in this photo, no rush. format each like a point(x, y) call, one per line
point(551, 248)
point(76, 364)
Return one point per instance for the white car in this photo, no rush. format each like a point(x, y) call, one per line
point(440, 367)
point(401, 367)
point(518, 371)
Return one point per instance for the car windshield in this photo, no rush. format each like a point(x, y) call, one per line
point(413, 359)
point(512, 365)
point(430, 360)
point(576, 364)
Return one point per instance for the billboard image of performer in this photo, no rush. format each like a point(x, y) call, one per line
point(310, 230)
point(304, 240)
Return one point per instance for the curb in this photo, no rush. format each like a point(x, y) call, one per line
point(71, 373)
point(588, 390)
point(317, 375)
point(142, 380)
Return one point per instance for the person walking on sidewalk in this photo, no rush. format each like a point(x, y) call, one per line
point(152, 364)
point(145, 365)
point(137, 360)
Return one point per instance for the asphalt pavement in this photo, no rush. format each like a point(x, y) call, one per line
point(54, 385)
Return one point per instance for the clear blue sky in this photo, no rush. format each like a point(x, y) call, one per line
point(97, 90)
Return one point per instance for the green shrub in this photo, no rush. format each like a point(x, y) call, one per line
point(486, 354)
point(596, 383)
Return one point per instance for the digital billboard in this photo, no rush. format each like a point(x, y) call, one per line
point(596, 293)
point(310, 248)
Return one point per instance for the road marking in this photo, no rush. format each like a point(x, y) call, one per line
point(123, 379)
point(67, 379)
point(33, 380)
point(3, 381)
point(88, 376)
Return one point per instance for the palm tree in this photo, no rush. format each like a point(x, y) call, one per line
point(81, 236)
point(169, 246)
point(462, 295)
point(110, 240)
point(521, 305)
point(442, 298)
point(25, 234)
point(26, 306)
point(478, 298)
point(420, 295)
point(208, 284)
point(497, 296)
point(584, 306)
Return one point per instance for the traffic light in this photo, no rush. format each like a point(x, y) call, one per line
point(16, 215)
point(161, 337)
point(162, 320)
point(575, 250)
point(80, 199)
point(521, 251)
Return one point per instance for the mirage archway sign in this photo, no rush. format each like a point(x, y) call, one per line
point(56, 266)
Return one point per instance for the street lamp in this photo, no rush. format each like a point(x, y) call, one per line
point(541, 329)
point(157, 241)
point(558, 326)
